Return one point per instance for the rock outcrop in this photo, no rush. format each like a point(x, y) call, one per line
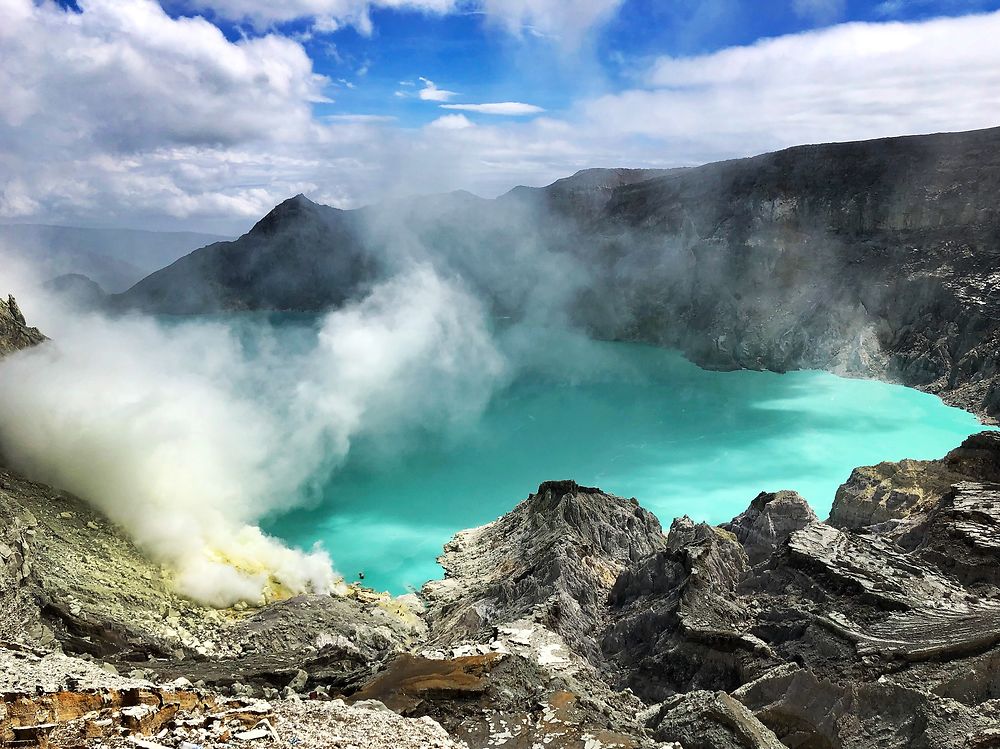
point(14, 331)
point(552, 559)
point(70, 578)
point(769, 521)
point(896, 495)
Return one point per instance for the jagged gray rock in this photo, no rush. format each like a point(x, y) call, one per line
point(676, 621)
point(805, 711)
point(14, 331)
point(711, 720)
point(553, 558)
point(898, 495)
point(769, 521)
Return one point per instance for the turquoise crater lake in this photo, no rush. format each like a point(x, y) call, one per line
point(633, 420)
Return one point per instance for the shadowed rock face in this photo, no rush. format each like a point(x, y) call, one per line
point(300, 256)
point(14, 331)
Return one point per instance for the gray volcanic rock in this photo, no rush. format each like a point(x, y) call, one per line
point(889, 493)
point(553, 558)
point(711, 720)
point(805, 711)
point(69, 577)
point(14, 331)
point(676, 621)
point(769, 521)
point(962, 534)
point(874, 259)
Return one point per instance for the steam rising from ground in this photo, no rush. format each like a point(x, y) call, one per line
point(186, 433)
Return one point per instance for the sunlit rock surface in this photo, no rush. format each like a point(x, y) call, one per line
point(14, 331)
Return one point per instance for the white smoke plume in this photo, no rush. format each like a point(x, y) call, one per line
point(187, 434)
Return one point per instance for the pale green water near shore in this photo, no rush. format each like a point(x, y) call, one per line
point(635, 421)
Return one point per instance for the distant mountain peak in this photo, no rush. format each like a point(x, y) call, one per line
point(291, 210)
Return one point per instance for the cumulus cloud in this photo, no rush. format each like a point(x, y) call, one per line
point(186, 435)
point(509, 108)
point(451, 122)
point(167, 81)
point(847, 82)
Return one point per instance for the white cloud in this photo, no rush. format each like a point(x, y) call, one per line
point(452, 122)
point(847, 82)
point(510, 108)
point(363, 118)
point(430, 92)
point(556, 18)
point(328, 15)
point(168, 81)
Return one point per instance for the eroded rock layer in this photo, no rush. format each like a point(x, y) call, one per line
point(14, 331)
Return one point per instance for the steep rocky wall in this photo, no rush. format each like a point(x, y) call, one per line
point(874, 259)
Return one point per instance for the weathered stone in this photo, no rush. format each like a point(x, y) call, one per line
point(769, 521)
point(14, 331)
point(554, 557)
point(711, 720)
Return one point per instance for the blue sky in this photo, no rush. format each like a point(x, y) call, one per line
point(203, 114)
point(480, 61)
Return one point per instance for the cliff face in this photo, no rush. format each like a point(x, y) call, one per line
point(14, 331)
point(872, 258)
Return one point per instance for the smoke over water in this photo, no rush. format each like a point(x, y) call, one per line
point(187, 432)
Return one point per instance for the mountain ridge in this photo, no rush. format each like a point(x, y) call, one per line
point(871, 258)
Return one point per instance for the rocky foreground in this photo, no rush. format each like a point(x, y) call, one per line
point(573, 621)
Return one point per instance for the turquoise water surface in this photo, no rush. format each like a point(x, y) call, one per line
point(633, 420)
